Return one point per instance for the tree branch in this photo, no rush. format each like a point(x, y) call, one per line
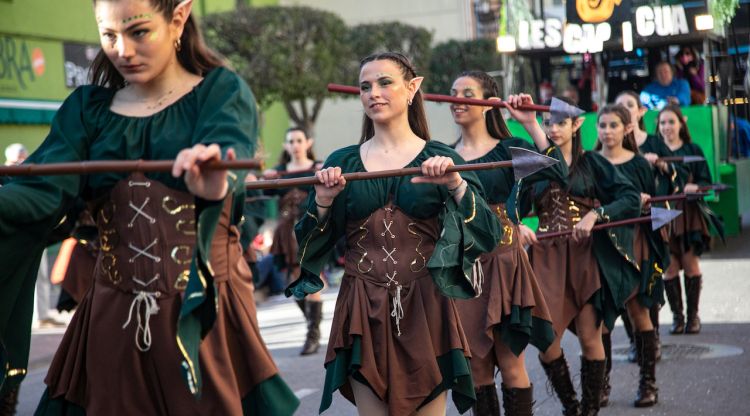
point(292, 112)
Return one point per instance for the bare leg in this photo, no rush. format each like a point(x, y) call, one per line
point(589, 334)
point(434, 408)
point(368, 404)
point(639, 316)
point(512, 367)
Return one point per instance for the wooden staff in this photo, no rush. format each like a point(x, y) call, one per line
point(358, 176)
point(681, 159)
point(658, 218)
point(677, 197)
point(346, 89)
point(290, 172)
point(100, 166)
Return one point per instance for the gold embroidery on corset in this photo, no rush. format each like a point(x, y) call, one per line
point(189, 226)
point(182, 280)
point(176, 250)
point(108, 240)
point(168, 200)
point(364, 254)
point(507, 236)
point(15, 372)
point(104, 217)
point(112, 275)
point(419, 244)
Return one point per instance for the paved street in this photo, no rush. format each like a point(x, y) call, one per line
point(705, 374)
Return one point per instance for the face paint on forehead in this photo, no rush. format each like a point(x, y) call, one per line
point(138, 16)
point(383, 75)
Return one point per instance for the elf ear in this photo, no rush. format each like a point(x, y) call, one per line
point(414, 85)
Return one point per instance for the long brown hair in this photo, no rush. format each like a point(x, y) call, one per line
point(285, 157)
point(684, 132)
point(619, 110)
point(193, 55)
point(634, 95)
point(416, 115)
point(493, 119)
point(577, 146)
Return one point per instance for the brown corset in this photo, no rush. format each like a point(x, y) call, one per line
point(508, 225)
point(390, 249)
point(289, 204)
point(146, 235)
point(560, 211)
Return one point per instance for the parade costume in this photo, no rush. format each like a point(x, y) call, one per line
point(600, 270)
point(690, 234)
point(284, 248)
point(511, 309)
point(652, 255)
point(410, 249)
point(169, 270)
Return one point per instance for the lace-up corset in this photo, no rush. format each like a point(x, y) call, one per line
point(560, 211)
point(391, 249)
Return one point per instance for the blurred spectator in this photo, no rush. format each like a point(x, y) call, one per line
point(571, 92)
point(665, 89)
point(689, 66)
point(15, 154)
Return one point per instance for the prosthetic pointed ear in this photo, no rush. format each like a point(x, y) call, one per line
point(414, 85)
point(181, 14)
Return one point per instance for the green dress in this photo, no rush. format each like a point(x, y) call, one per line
point(567, 268)
point(697, 218)
point(221, 110)
point(401, 337)
point(665, 181)
point(650, 250)
point(511, 308)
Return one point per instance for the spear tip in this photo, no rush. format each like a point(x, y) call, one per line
point(527, 162)
point(661, 216)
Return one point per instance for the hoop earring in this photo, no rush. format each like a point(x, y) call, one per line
point(178, 44)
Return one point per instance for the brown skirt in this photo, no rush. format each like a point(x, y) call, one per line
point(509, 282)
point(568, 275)
point(80, 274)
point(99, 368)
point(401, 370)
point(698, 235)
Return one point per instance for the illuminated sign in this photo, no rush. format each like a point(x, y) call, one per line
point(587, 33)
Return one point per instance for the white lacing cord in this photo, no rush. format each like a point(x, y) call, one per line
point(398, 310)
point(477, 277)
point(150, 307)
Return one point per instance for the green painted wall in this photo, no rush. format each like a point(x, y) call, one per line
point(30, 136)
point(50, 19)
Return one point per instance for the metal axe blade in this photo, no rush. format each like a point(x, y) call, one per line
point(527, 162)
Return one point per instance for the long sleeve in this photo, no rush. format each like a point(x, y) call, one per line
point(470, 229)
point(30, 208)
point(618, 196)
point(317, 238)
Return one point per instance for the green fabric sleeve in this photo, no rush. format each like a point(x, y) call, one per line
point(616, 193)
point(470, 228)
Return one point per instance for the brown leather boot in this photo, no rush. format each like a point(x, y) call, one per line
point(648, 394)
point(314, 313)
point(592, 382)
point(487, 403)
point(559, 376)
point(654, 315)
point(518, 402)
point(606, 388)
point(9, 401)
point(693, 286)
point(673, 288)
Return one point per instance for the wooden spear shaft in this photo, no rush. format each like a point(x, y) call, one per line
point(100, 166)
point(358, 176)
point(346, 89)
point(543, 236)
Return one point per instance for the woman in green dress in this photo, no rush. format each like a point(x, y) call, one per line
point(510, 311)
point(616, 143)
point(690, 234)
point(396, 342)
point(168, 325)
point(586, 277)
point(296, 161)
